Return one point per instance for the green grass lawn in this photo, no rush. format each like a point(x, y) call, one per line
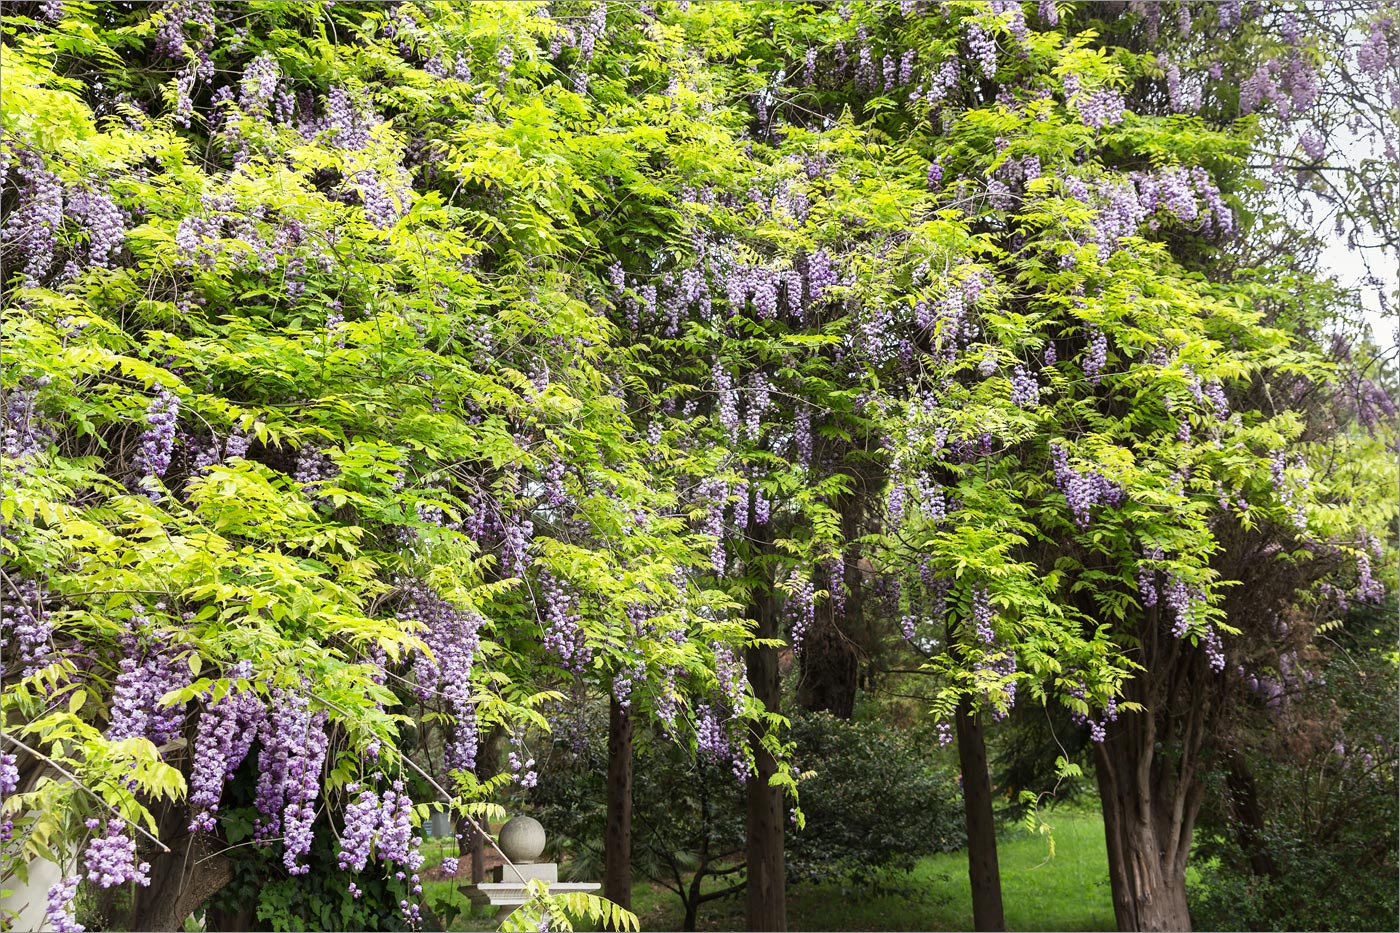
point(1066, 892)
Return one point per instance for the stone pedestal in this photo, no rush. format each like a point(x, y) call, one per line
point(522, 841)
point(522, 872)
point(509, 895)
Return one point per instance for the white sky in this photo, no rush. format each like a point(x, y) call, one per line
point(1349, 266)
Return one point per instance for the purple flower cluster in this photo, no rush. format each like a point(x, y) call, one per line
point(259, 84)
point(1185, 601)
point(9, 783)
point(759, 394)
point(625, 682)
point(34, 224)
point(801, 610)
point(933, 502)
point(1098, 108)
point(1147, 576)
point(226, 733)
point(802, 436)
point(982, 48)
point(111, 858)
point(347, 124)
point(382, 206)
point(1368, 588)
point(935, 174)
point(136, 708)
point(894, 502)
point(1096, 354)
point(712, 742)
point(521, 767)
point(453, 637)
point(555, 495)
point(563, 623)
point(982, 616)
point(988, 363)
point(1025, 389)
point(728, 401)
point(993, 659)
point(25, 618)
point(172, 41)
point(103, 221)
point(26, 432)
point(362, 818)
point(942, 81)
point(388, 821)
point(58, 912)
point(1373, 55)
point(313, 466)
point(1215, 651)
point(1098, 728)
point(1083, 491)
point(729, 670)
point(158, 440)
point(289, 769)
point(713, 493)
point(1292, 493)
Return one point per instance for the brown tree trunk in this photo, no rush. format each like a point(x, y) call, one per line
point(829, 666)
point(983, 871)
point(471, 843)
point(1247, 816)
point(830, 652)
point(1149, 791)
point(617, 834)
point(767, 905)
point(1149, 890)
point(181, 879)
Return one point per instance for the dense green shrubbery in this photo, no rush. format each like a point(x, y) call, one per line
point(874, 803)
point(1303, 834)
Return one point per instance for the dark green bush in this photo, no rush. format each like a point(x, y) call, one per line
point(1301, 832)
point(876, 803)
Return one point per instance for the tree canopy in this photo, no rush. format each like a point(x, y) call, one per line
point(380, 375)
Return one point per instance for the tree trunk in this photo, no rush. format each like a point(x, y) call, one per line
point(1247, 816)
point(983, 872)
point(471, 843)
point(1149, 788)
point(767, 907)
point(692, 903)
point(1150, 794)
point(829, 666)
point(830, 652)
point(1148, 892)
point(617, 834)
point(181, 879)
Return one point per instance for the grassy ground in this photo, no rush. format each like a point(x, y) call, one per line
point(1066, 892)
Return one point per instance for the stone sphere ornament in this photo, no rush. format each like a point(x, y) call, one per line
point(522, 839)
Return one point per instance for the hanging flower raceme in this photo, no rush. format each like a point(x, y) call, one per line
point(110, 858)
point(294, 743)
point(226, 733)
point(158, 440)
point(145, 675)
point(453, 638)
